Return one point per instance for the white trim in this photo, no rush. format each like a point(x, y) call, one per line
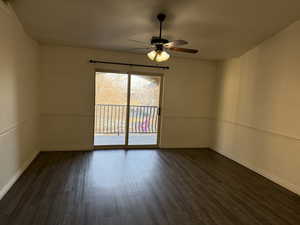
point(67, 115)
point(16, 125)
point(257, 129)
point(166, 147)
point(185, 148)
point(7, 130)
point(174, 116)
point(19, 172)
point(67, 148)
point(278, 180)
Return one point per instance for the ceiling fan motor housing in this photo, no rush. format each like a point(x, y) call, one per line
point(158, 40)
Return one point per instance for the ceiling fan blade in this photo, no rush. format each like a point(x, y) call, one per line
point(175, 43)
point(186, 50)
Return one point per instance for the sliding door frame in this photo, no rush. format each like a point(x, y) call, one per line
point(126, 145)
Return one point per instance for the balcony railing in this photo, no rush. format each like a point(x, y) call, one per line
point(111, 119)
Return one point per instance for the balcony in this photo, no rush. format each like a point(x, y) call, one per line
point(110, 125)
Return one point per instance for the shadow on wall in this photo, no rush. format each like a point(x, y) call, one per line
point(254, 115)
point(19, 76)
point(247, 98)
point(237, 97)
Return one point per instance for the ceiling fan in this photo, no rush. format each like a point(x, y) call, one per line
point(160, 45)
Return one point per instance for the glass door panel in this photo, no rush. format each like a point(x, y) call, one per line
point(144, 110)
point(111, 94)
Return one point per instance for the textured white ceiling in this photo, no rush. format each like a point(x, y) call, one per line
point(218, 28)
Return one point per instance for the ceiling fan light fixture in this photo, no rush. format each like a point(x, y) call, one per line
point(158, 56)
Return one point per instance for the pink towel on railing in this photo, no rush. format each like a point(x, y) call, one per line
point(144, 126)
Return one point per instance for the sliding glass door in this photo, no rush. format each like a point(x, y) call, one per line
point(127, 110)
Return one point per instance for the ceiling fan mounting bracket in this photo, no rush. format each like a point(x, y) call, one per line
point(161, 17)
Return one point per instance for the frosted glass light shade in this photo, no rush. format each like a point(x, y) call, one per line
point(158, 56)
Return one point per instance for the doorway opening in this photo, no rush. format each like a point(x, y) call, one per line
point(127, 110)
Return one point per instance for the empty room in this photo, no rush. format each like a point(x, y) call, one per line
point(135, 112)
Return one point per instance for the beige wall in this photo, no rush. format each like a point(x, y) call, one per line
point(19, 76)
point(258, 108)
point(68, 98)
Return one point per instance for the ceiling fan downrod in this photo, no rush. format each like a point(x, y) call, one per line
point(161, 17)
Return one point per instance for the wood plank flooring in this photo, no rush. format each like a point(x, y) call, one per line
point(145, 187)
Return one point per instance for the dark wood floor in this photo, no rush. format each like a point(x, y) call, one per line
point(145, 187)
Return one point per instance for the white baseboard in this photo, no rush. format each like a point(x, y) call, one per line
point(166, 146)
point(19, 172)
point(278, 180)
point(183, 148)
point(67, 148)
point(89, 148)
